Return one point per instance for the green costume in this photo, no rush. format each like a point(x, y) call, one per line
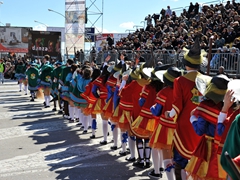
point(46, 75)
point(32, 74)
point(20, 72)
point(232, 146)
point(64, 80)
point(56, 73)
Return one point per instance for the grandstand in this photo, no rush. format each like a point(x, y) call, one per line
point(166, 34)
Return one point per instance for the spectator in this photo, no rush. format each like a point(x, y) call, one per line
point(221, 71)
point(168, 12)
point(2, 70)
point(110, 41)
point(149, 20)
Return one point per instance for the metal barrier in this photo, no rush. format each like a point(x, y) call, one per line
point(230, 61)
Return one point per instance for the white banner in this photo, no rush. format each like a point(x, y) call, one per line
point(74, 25)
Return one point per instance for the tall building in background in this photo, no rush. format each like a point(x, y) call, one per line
point(74, 25)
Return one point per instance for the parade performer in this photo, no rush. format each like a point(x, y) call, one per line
point(81, 82)
point(144, 124)
point(65, 83)
point(32, 75)
point(55, 84)
point(45, 79)
point(129, 97)
point(232, 146)
point(91, 99)
point(161, 140)
point(108, 109)
point(227, 121)
point(20, 74)
point(99, 90)
point(72, 78)
point(186, 97)
point(205, 162)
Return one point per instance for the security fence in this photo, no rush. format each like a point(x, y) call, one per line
point(229, 60)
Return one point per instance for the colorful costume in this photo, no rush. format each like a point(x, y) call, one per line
point(32, 75)
point(231, 135)
point(162, 137)
point(144, 125)
point(46, 76)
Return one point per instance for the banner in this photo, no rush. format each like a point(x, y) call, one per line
point(74, 25)
point(89, 34)
point(44, 42)
point(101, 41)
point(14, 39)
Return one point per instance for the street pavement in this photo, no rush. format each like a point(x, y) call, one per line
point(38, 144)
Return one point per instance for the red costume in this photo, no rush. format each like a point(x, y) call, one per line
point(162, 137)
point(205, 162)
point(186, 97)
point(90, 99)
point(108, 108)
point(102, 92)
point(144, 124)
point(129, 97)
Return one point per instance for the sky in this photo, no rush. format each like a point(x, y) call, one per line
point(118, 15)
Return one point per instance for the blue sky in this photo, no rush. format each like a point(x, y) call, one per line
point(118, 15)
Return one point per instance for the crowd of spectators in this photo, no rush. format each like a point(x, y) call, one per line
point(167, 31)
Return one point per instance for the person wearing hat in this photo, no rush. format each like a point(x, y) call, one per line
point(32, 75)
point(99, 90)
point(122, 77)
point(2, 70)
point(108, 109)
point(45, 79)
point(129, 103)
point(161, 140)
point(91, 99)
point(186, 97)
point(64, 83)
point(204, 120)
point(144, 124)
point(55, 84)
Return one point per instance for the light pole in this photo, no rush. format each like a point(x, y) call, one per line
point(137, 26)
point(63, 49)
point(143, 23)
point(40, 23)
point(56, 12)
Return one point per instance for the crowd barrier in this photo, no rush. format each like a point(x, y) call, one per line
point(229, 60)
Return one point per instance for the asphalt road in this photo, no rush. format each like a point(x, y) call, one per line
point(38, 144)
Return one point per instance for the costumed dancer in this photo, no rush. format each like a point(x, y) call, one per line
point(226, 121)
point(55, 85)
point(144, 124)
point(186, 97)
point(81, 82)
point(109, 106)
point(91, 99)
point(45, 79)
point(129, 97)
point(205, 162)
point(65, 83)
point(99, 90)
point(232, 147)
point(161, 140)
point(32, 75)
point(72, 78)
point(20, 74)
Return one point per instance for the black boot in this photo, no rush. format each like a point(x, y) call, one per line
point(178, 169)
